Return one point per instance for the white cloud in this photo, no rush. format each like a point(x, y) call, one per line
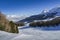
point(46, 10)
point(15, 17)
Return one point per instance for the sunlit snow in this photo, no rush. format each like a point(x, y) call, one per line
point(29, 33)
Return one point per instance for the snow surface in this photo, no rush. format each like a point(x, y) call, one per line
point(29, 33)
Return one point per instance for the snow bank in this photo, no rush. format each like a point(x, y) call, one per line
point(31, 34)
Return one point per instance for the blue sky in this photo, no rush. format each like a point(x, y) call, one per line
point(26, 7)
point(20, 9)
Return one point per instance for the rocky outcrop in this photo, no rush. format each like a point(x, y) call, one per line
point(5, 24)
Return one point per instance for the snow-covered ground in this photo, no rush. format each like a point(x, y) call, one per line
point(28, 33)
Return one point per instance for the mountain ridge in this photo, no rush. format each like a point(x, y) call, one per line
point(43, 15)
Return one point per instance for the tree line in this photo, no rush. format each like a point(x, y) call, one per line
point(53, 22)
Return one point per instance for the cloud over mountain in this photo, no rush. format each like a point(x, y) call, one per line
point(15, 17)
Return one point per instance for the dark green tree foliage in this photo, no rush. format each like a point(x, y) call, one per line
point(54, 22)
point(14, 28)
point(2, 27)
point(20, 24)
point(33, 24)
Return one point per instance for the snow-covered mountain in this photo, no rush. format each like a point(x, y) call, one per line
point(43, 15)
point(56, 9)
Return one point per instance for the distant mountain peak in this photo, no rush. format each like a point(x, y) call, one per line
point(55, 10)
point(45, 14)
point(44, 11)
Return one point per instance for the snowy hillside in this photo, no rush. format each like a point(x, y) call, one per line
point(33, 34)
point(45, 14)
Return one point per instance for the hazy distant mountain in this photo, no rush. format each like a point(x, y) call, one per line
point(43, 15)
point(56, 9)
